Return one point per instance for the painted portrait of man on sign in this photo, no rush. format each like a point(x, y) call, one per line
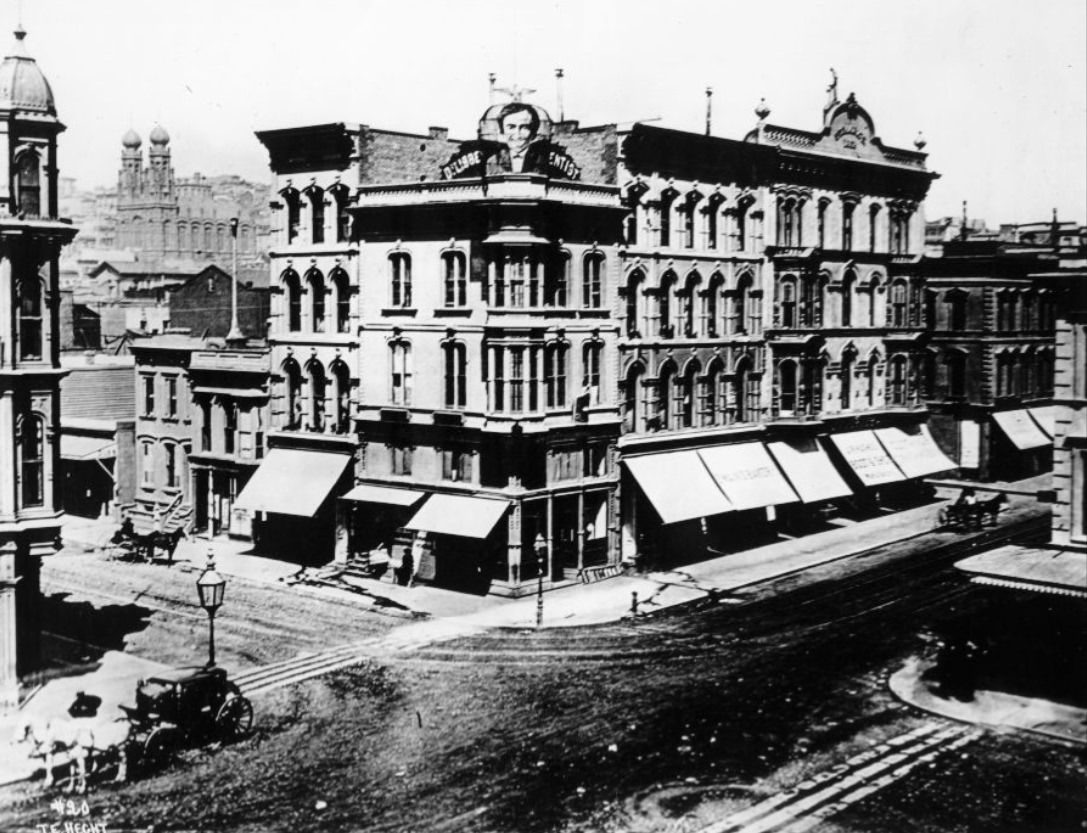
point(514, 138)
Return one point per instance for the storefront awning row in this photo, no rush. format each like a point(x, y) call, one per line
point(1046, 417)
point(747, 475)
point(914, 451)
point(809, 470)
point(1021, 429)
point(867, 457)
point(462, 515)
point(293, 482)
point(678, 485)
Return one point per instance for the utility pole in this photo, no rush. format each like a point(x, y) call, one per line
point(235, 333)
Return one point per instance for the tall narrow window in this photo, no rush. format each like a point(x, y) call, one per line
point(343, 219)
point(873, 301)
point(230, 426)
point(317, 300)
point(400, 279)
point(33, 461)
point(555, 375)
point(688, 300)
point(556, 280)
point(787, 387)
point(739, 305)
point(455, 279)
point(712, 221)
point(517, 379)
point(317, 214)
point(899, 308)
point(342, 288)
point(898, 380)
point(30, 319)
point(341, 381)
point(665, 405)
point(634, 303)
point(870, 379)
point(590, 366)
point(712, 307)
point(28, 183)
point(688, 216)
point(741, 226)
point(292, 379)
point(205, 426)
point(592, 281)
point(849, 284)
point(318, 388)
point(667, 198)
point(788, 303)
point(169, 450)
point(847, 226)
point(401, 373)
point(822, 223)
point(171, 397)
point(664, 305)
point(292, 287)
point(846, 380)
point(956, 302)
point(873, 223)
point(689, 405)
point(456, 374)
point(148, 396)
point(293, 202)
point(956, 374)
point(632, 402)
point(147, 465)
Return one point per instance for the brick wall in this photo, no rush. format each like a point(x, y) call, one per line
point(386, 156)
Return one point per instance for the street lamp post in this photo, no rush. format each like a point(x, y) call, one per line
point(235, 333)
point(541, 561)
point(210, 587)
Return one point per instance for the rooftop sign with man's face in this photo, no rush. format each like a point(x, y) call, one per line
point(514, 138)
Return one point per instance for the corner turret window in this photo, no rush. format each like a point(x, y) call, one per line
point(33, 461)
point(28, 183)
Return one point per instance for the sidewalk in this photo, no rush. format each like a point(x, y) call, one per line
point(993, 708)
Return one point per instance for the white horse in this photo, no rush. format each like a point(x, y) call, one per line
point(80, 741)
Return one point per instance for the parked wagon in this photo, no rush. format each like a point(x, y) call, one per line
point(973, 516)
point(186, 707)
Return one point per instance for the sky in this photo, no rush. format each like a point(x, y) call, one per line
point(998, 87)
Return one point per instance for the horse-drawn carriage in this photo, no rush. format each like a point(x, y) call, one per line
point(129, 545)
point(965, 516)
point(179, 708)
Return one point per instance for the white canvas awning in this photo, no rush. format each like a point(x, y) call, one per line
point(914, 451)
point(1023, 431)
point(678, 485)
point(809, 470)
point(868, 459)
point(747, 475)
point(293, 482)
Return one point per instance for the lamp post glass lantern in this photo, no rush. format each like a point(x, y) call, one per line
point(210, 587)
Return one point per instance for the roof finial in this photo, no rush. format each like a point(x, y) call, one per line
point(832, 91)
point(920, 141)
point(709, 109)
point(762, 111)
point(491, 78)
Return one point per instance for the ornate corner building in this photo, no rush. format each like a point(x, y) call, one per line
point(31, 236)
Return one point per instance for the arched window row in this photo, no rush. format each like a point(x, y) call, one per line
point(1024, 373)
point(694, 307)
point(693, 220)
point(799, 301)
point(316, 398)
point(533, 277)
point(691, 396)
point(329, 301)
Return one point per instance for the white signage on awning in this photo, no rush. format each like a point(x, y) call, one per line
point(747, 475)
point(868, 459)
point(678, 485)
point(914, 450)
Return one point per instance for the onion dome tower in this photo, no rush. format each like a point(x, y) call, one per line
point(31, 237)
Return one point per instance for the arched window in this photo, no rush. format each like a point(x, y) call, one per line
point(318, 388)
point(870, 378)
point(633, 405)
point(821, 223)
point(400, 279)
point(711, 309)
point(688, 406)
point(898, 372)
point(899, 308)
point(633, 303)
point(811, 300)
point(28, 183)
point(455, 279)
point(400, 373)
point(873, 222)
point(292, 288)
point(556, 280)
point(744, 392)
point(32, 452)
point(316, 283)
point(711, 404)
point(847, 226)
point(592, 281)
point(341, 392)
point(664, 304)
point(342, 287)
point(740, 310)
point(31, 341)
point(713, 213)
point(900, 232)
point(456, 374)
point(292, 378)
point(293, 201)
point(787, 387)
point(786, 222)
point(665, 409)
point(339, 196)
point(317, 214)
point(666, 202)
point(688, 300)
point(740, 235)
point(849, 284)
point(845, 379)
point(555, 370)
point(687, 215)
point(787, 300)
point(592, 361)
point(873, 301)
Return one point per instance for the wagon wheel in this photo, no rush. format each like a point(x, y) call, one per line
point(159, 747)
point(235, 718)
